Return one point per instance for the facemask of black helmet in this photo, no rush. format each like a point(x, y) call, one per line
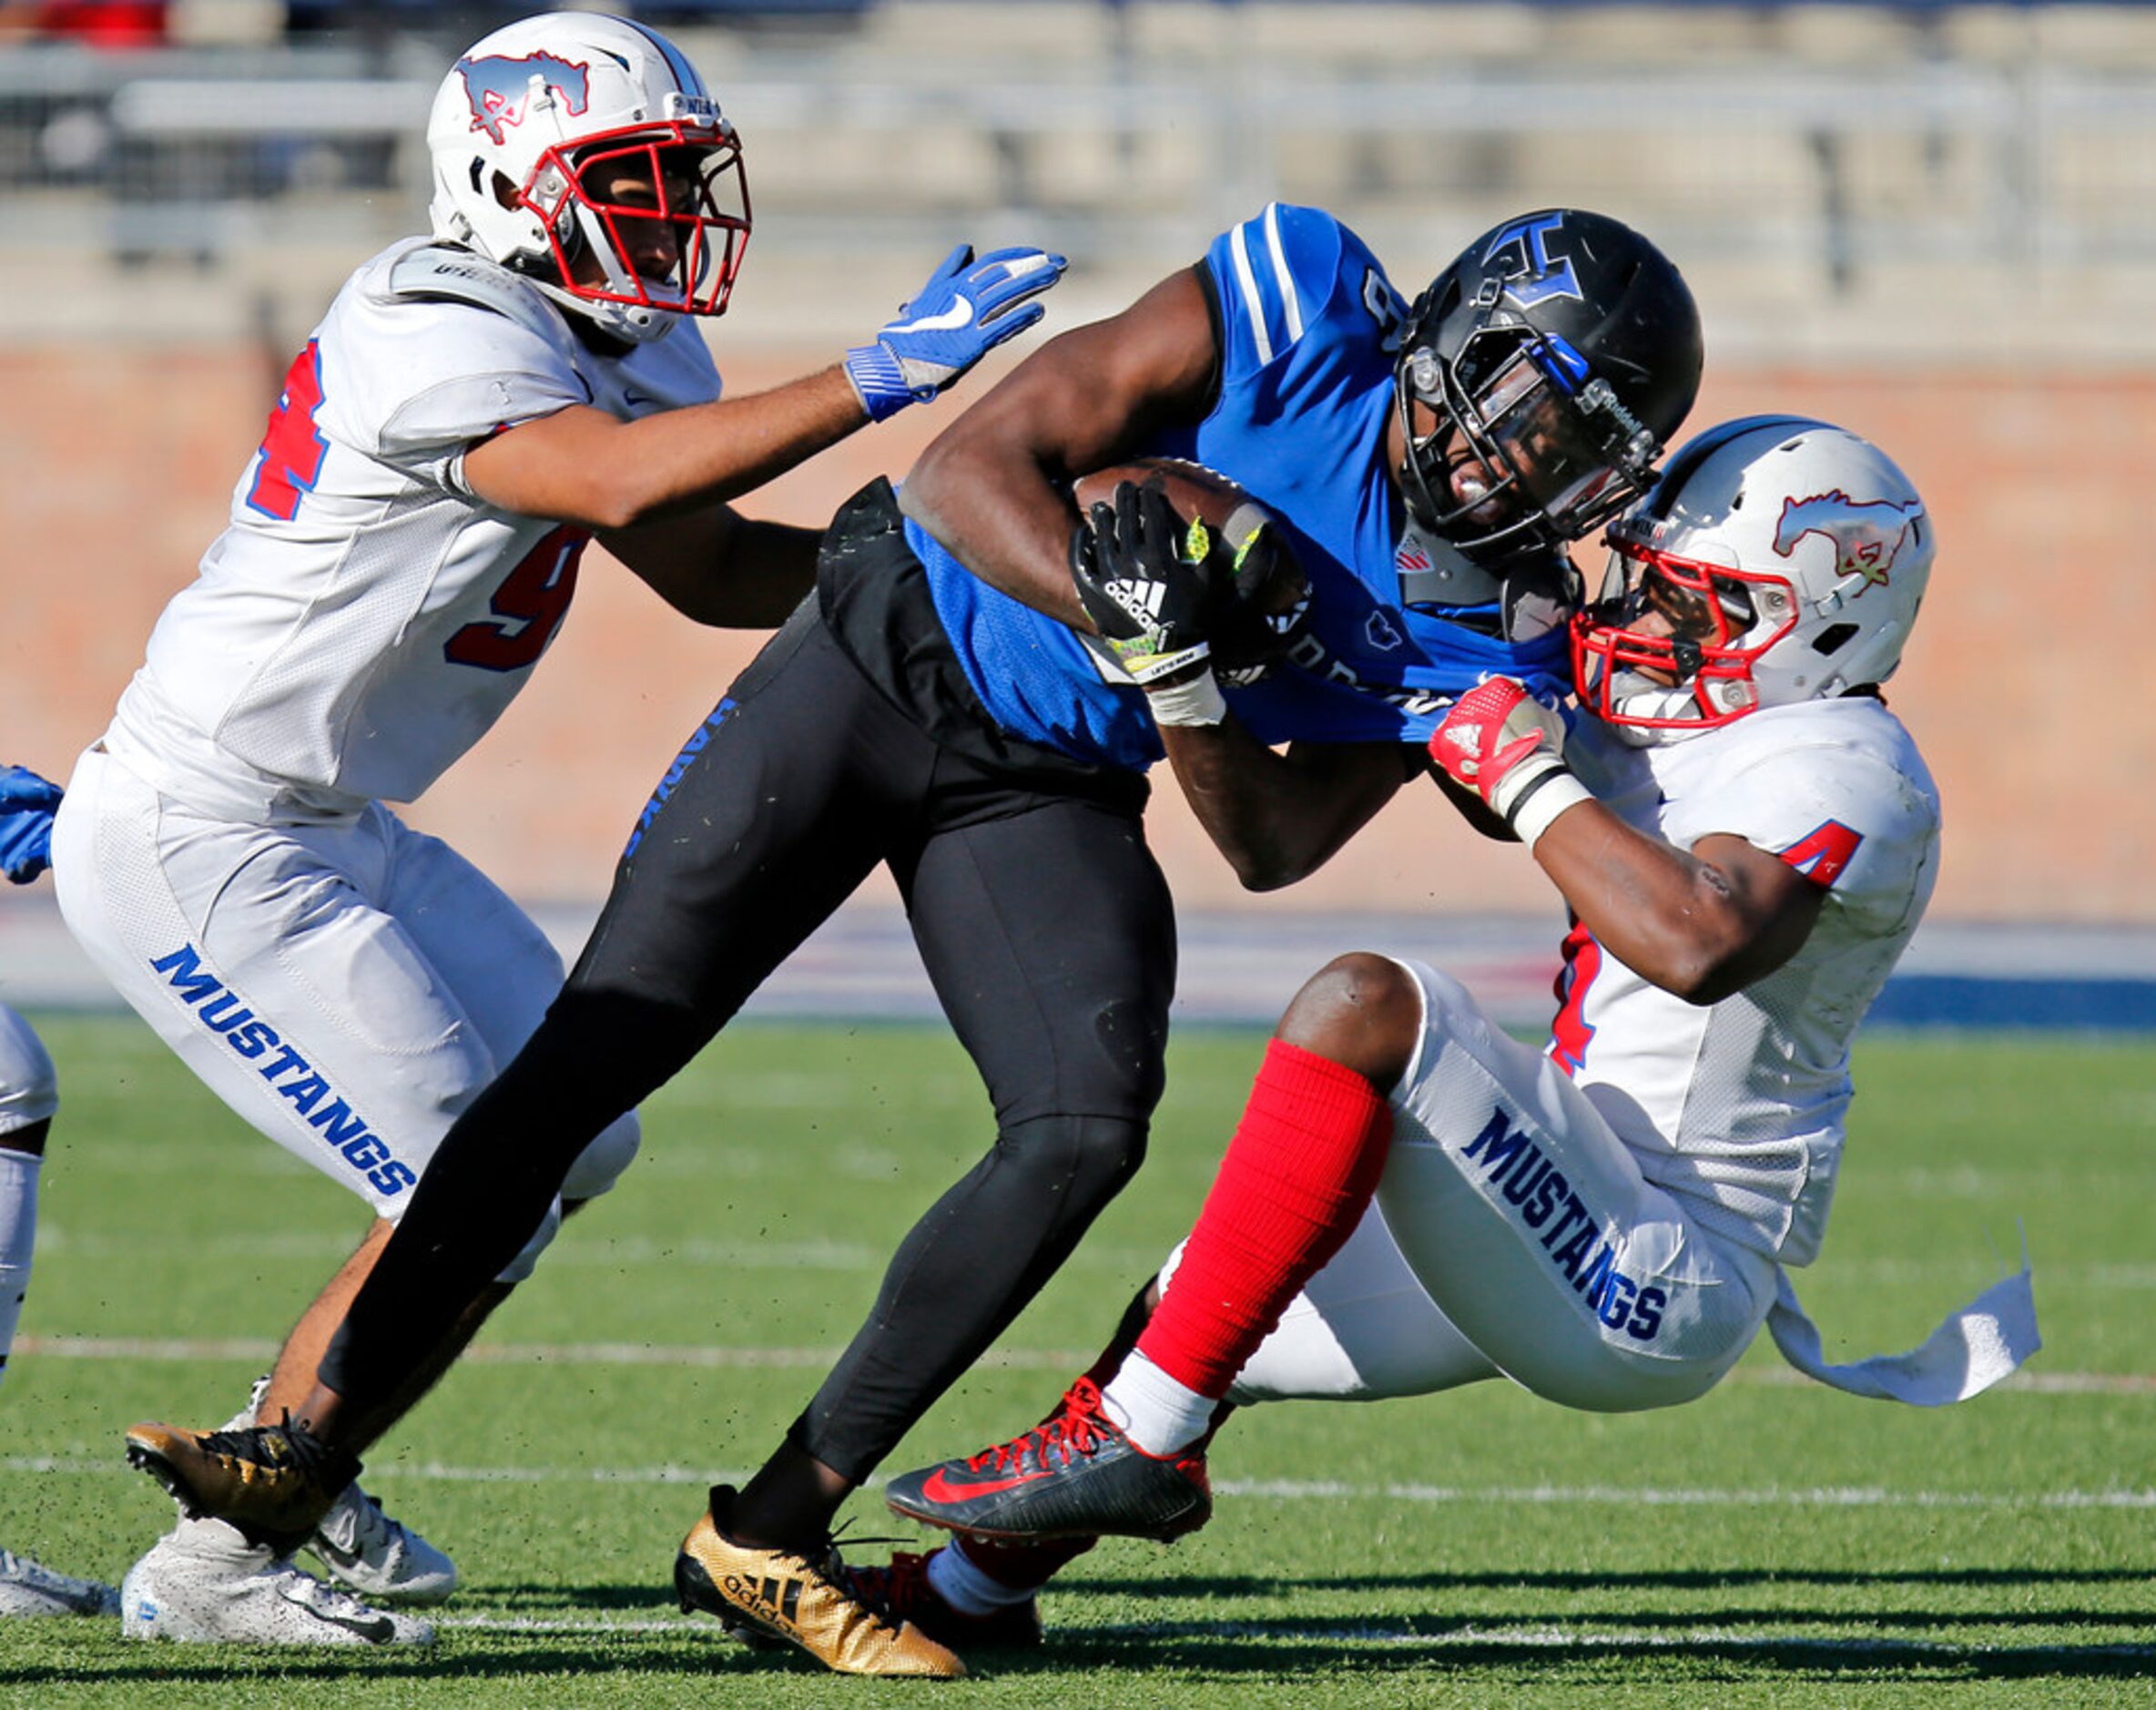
point(1525, 446)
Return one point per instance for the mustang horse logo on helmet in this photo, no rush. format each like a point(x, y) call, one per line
point(1866, 535)
point(499, 87)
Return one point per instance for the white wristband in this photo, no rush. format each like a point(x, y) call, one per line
point(1196, 701)
point(1543, 802)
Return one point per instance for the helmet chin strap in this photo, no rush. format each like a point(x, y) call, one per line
point(631, 323)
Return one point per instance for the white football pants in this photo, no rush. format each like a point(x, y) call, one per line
point(347, 989)
point(1512, 1235)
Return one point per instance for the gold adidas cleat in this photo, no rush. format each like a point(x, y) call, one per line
point(800, 1600)
point(274, 1482)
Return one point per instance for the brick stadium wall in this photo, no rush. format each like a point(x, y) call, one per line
point(2023, 684)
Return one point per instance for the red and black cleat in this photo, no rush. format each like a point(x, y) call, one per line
point(1074, 1475)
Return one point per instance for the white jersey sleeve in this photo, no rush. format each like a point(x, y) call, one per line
point(1836, 788)
point(1741, 1103)
point(365, 618)
point(466, 371)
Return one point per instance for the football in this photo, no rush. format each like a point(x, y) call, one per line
point(1270, 593)
point(1196, 493)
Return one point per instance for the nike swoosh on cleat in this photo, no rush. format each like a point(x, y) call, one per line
point(335, 1554)
point(959, 314)
point(936, 1488)
point(375, 1629)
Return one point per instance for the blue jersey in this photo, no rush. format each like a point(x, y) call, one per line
point(1309, 325)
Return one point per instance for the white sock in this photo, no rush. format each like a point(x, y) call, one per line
point(1154, 1410)
point(968, 1588)
point(18, 1234)
point(206, 1539)
point(245, 1418)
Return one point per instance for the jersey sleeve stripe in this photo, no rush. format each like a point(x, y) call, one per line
point(1253, 304)
point(1269, 298)
point(1290, 303)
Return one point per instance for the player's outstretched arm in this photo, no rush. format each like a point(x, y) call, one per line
point(717, 566)
point(994, 486)
point(583, 465)
point(1703, 922)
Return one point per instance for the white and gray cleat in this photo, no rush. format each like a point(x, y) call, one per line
point(377, 1556)
point(203, 1583)
point(30, 1588)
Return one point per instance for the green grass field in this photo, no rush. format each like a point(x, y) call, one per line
point(1774, 1543)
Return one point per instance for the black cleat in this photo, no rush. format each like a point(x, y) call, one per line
point(1074, 1476)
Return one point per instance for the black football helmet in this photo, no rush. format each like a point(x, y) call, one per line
point(1560, 353)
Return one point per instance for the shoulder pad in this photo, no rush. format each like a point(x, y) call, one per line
point(436, 270)
point(1434, 572)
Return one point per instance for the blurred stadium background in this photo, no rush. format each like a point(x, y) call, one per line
point(1933, 223)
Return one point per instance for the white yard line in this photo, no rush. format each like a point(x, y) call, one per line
point(1540, 1639)
point(1553, 1638)
point(1274, 1490)
point(692, 1357)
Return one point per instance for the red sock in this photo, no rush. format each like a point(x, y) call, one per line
point(1296, 1179)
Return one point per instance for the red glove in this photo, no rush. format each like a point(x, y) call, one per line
point(1507, 747)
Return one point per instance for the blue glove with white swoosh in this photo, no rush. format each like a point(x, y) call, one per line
point(26, 804)
point(966, 308)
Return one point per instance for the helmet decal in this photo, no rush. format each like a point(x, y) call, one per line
point(1537, 378)
point(499, 87)
point(1537, 276)
point(1866, 535)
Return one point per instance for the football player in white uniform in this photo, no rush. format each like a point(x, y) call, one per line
point(474, 409)
point(1746, 838)
point(29, 1099)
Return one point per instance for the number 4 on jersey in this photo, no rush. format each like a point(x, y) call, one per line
point(1824, 852)
point(290, 460)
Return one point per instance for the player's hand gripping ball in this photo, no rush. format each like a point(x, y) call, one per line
point(1179, 549)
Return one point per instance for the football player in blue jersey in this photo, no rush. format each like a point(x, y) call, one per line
point(1746, 838)
point(973, 700)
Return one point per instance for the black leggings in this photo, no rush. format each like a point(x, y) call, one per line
point(1044, 925)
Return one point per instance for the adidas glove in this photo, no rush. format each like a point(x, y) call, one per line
point(27, 805)
point(966, 308)
point(1146, 578)
point(1507, 747)
point(1260, 595)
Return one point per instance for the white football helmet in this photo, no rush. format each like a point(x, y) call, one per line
point(584, 151)
point(1776, 559)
